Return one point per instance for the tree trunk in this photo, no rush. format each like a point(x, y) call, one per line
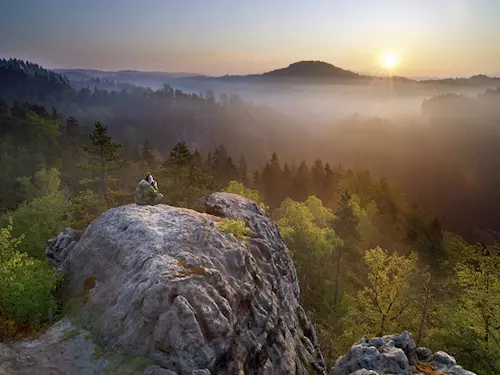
point(104, 181)
point(486, 313)
point(337, 278)
point(382, 326)
point(424, 311)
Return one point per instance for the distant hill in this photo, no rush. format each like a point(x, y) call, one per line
point(314, 72)
point(123, 77)
point(298, 72)
point(312, 69)
point(477, 80)
point(26, 81)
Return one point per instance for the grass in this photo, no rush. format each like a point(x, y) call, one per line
point(188, 269)
point(427, 369)
point(70, 334)
point(120, 363)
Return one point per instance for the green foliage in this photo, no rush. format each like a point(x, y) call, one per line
point(84, 208)
point(298, 224)
point(69, 334)
point(313, 244)
point(45, 182)
point(387, 303)
point(235, 187)
point(26, 286)
point(38, 221)
point(469, 321)
point(237, 228)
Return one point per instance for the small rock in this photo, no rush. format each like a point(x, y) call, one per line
point(423, 354)
point(364, 372)
point(392, 354)
point(200, 372)
point(458, 370)
point(443, 358)
point(376, 342)
point(156, 370)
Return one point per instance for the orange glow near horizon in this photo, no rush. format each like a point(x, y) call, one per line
point(389, 60)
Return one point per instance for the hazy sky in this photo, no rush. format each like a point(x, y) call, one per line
point(434, 37)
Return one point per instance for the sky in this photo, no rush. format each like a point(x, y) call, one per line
point(216, 37)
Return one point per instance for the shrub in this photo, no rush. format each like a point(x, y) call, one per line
point(237, 228)
point(26, 287)
point(38, 221)
point(84, 208)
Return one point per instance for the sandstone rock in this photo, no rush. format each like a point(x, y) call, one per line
point(423, 354)
point(364, 372)
point(443, 358)
point(200, 372)
point(63, 350)
point(378, 354)
point(395, 354)
point(155, 370)
point(61, 245)
point(457, 370)
point(164, 283)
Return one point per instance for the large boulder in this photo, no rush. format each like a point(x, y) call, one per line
point(165, 283)
point(394, 354)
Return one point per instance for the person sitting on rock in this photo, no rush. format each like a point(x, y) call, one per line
point(147, 192)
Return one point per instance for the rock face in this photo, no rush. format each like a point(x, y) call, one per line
point(396, 354)
point(166, 284)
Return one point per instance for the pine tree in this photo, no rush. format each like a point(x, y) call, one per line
point(148, 155)
point(198, 160)
point(330, 187)
point(286, 178)
point(318, 179)
point(185, 183)
point(222, 166)
point(301, 184)
point(243, 170)
point(256, 181)
point(272, 183)
point(107, 156)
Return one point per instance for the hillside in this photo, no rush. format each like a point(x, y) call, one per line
point(312, 69)
point(27, 81)
point(477, 80)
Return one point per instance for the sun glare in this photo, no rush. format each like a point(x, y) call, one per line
point(389, 60)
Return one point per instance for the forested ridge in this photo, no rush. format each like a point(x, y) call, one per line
point(390, 228)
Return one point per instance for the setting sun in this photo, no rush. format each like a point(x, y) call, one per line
point(389, 60)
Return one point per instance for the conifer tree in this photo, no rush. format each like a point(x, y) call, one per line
point(105, 153)
point(301, 183)
point(271, 182)
point(318, 179)
point(185, 183)
point(243, 170)
point(150, 156)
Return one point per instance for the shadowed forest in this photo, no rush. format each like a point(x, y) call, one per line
point(393, 223)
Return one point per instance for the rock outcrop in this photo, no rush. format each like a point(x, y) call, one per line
point(166, 284)
point(395, 354)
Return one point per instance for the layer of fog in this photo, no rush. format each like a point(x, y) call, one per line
point(324, 102)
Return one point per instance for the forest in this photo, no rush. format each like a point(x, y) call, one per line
point(391, 226)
